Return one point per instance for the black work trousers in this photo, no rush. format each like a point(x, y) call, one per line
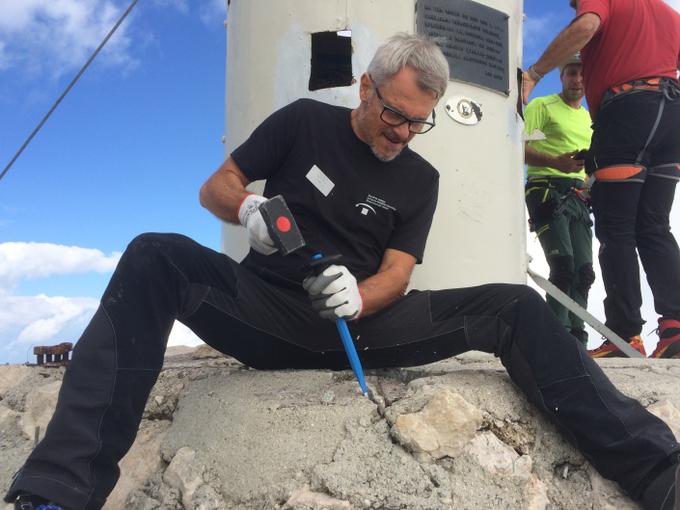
point(163, 277)
point(632, 218)
point(637, 131)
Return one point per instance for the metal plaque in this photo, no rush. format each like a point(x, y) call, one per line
point(473, 37)
point(464, 110)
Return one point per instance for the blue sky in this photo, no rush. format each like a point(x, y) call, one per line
point(125, 153)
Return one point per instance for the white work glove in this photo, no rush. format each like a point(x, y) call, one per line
point(334, 293)
point(250, 217)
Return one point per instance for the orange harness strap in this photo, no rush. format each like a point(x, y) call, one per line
point(648, 84)
point(617, 173)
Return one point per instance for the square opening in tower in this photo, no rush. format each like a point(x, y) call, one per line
point(331, 60)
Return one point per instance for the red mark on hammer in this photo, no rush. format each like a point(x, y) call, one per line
point(283, 224)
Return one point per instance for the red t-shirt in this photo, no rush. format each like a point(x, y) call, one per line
point(636, 39)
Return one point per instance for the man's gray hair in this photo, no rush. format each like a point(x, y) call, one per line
point(415, 51)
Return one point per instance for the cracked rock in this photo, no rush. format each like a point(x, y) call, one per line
point(184, 474)
point(441, 428)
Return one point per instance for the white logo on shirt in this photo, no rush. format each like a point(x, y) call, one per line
point(379, 202)
point(365, 208)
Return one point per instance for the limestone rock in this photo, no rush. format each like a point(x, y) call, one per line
point(441, 428)
point(498, 458)
point(206, 352)
point(11, 376)
point(536, 494)
point(10, 423)
point(304, 498)
point(163, 399)
point(140, 463)
point(207, 498)
point(40, 406)
point(184, 474)
point(668, 413)
point(154, 495)
point(218, 436)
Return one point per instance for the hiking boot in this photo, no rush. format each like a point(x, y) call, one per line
point(31, 502)
point(669, 339)
point(609, 350)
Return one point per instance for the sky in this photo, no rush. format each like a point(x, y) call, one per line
point(127, 150)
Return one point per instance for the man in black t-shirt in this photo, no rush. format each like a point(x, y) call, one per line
point(344, 199)
point(355, 188)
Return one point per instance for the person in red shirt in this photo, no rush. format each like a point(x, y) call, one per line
point(630, 51)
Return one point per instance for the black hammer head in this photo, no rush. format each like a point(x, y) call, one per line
point(281, 225)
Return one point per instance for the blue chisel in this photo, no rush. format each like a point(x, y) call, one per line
point(287, 237)
point(319, 263)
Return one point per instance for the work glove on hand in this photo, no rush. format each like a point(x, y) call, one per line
point(334, 293)
point(250, 217)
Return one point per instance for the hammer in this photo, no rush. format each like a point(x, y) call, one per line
point(287, 237)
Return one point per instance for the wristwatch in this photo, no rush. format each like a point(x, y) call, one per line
point(533, 74)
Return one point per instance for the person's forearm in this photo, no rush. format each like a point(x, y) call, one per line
point(224, 191)
point(535, 158)
point(568, 42)
point(382, 289)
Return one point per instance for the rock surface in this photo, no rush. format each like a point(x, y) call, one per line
point(451, 435)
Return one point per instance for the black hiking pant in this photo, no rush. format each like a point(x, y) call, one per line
point(163, 277)
point(635, 135)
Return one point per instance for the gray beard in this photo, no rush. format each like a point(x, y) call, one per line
point(383, 158)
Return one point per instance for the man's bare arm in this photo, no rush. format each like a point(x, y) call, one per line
point(224, 191)
point(389, 283)
point(571, 40)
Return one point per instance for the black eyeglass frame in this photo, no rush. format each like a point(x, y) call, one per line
point(427, 126)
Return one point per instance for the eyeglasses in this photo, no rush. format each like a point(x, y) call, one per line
point(392, 117)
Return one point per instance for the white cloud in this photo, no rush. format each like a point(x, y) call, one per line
point(27, 321)
point(39, 260)
point(33, 320)
point(57, 36)
point(38, 318)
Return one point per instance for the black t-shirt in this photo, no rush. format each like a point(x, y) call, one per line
point(343, 198)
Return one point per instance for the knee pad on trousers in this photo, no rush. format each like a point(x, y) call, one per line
point(561, 272)
point(586, 277)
